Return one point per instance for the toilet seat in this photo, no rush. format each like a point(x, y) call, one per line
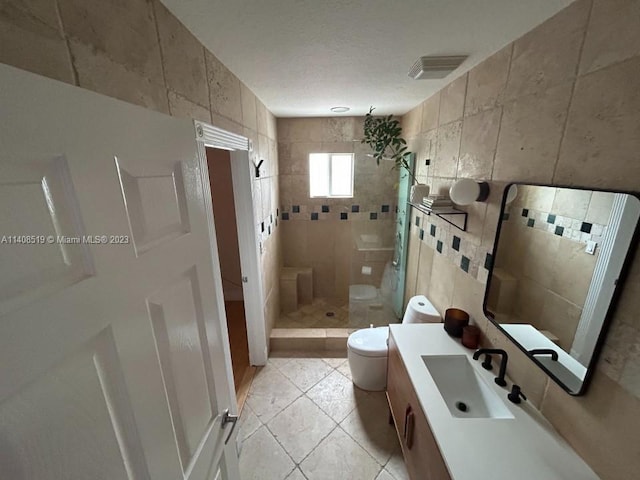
point(369, 342)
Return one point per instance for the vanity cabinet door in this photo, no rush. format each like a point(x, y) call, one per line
point(421, 453)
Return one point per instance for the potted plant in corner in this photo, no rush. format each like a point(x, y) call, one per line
point(384, 136)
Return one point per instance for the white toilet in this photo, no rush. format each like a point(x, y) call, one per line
point(367, 348)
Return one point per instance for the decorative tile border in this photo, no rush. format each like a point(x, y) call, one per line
point(338, 212)
point(455, 245)
point(566, 227)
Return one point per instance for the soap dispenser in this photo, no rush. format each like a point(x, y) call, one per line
point(515, 394)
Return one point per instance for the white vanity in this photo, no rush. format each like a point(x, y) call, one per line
point(455, 423)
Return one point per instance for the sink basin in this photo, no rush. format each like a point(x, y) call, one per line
point(466, 394)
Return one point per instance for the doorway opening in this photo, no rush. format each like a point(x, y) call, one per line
point(224, 211)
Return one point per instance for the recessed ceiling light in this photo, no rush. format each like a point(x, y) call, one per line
point(340, 109)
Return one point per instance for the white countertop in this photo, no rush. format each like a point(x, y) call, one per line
point(522, 448)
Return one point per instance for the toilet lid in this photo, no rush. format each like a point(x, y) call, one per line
point(362, 292)
point(369, 342)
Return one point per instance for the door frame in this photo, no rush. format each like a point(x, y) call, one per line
point(241, 149)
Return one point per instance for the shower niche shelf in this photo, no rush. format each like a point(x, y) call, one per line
point(451, 215)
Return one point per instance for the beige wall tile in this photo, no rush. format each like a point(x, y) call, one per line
point(182, 58)
point(441, 289)
point(425, 265)
point(487, 81)
point(339, 129)
point(295, 249)
point(272, 129)
point(262, 118)
point(548, 55)
point(181, 107)
point(37, 16)
point(468, 295)
point(537, 198)
point(602, 140)
point(226, 124)
point(619, 342)
point(43, 51)
point(249, 112)
point(571, 203)
point(600, 208)
point(31, 38)
point(125, 32)
point(573, 271)
point(412, 122)
point(452, 100)
point(299, 157)
point(224, 89)
point(98, 73)
point(324, 274)
point(478, 144)
point(630, 375)
point(300, 129)
point(540, 246)
point(613, 34)
point(413, 257)
point(560, 317)
point(448, 150)
point(602, 426)
point(431, 112)
point(530, 134)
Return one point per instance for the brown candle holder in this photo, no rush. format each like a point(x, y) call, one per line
point(454, 321)
point(471, 337)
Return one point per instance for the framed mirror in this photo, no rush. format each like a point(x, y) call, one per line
point(558, 266)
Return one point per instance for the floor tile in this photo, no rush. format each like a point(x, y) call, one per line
point(368, 424)
point(249, 423)
point(300, 427)
point(270, 393)
point(339, 457)
point(396, 467)
point(345, 370)
point(385, 475)
point(335, 362)
point(263, 458)
point(296, 475)
point(336, 395)
point(305, 372)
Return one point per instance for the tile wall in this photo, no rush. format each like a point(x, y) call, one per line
point(561, 106)
point(137, 51)
point(320, 232)
point(541, 256)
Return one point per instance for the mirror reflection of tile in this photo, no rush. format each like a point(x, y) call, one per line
point(557, 259)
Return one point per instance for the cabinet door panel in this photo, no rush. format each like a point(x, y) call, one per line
point(421, 453)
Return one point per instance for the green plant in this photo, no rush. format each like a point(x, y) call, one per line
point(384, 136)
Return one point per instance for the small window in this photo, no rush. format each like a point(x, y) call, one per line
point(331, 175)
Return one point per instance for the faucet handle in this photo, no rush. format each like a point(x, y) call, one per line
point(486, 364)
point(515, 394)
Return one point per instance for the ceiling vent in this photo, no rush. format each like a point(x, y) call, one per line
point(435, 67)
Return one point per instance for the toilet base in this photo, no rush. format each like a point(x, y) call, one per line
point(368, 373)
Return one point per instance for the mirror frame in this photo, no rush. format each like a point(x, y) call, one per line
point(624, 272)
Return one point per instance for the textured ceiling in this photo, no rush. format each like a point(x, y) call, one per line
point(302, 57)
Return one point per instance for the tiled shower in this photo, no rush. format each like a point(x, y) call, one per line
point(333, 243)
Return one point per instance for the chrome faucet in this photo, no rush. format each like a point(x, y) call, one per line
point(487, 362)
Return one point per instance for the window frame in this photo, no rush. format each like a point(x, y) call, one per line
point(330, 156)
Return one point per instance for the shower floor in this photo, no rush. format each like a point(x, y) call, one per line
point(332, 313)
point(322, 313)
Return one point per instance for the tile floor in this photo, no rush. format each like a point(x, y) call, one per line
point(315, 315)
point(304, 419)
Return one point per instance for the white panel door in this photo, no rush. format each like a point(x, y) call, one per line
point(112, 363)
